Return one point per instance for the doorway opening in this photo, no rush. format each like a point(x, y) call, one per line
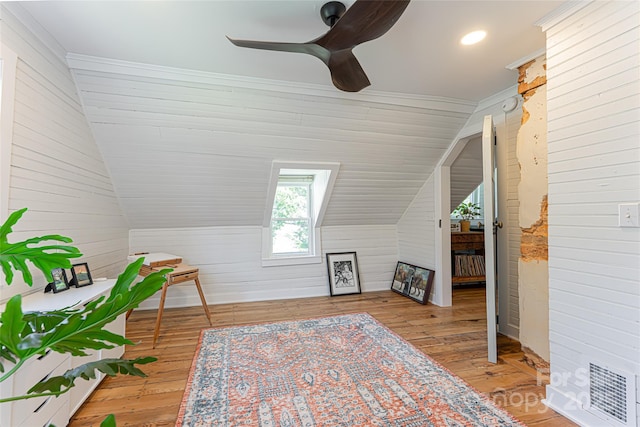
point(468, 162)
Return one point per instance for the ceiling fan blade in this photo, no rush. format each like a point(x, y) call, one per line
point(365, 20)
point(279, 46)
point(346, 72)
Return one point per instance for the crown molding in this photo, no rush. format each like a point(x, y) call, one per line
point(561, 13)
point(25, 18)
point(80, 62)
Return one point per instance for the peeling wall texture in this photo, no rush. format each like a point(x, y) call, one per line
point(533, 270)
point(533, 242)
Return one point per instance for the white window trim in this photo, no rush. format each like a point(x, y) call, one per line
point(8, 63)
point(325, 174)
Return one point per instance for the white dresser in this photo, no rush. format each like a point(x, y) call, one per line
point(43, 411)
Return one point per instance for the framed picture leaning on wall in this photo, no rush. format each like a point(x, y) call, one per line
point(413, 282)
point(344, 277)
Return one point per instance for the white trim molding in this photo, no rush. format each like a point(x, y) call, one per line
point(106, 65)
point(8, 64)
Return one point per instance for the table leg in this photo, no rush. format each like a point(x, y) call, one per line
point(204, 302)
point(156, 332)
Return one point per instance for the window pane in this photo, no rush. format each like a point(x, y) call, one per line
point(291, 201)
point(477, 197)
point(290, 236)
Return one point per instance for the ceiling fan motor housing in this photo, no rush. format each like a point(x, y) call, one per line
point(331, 12)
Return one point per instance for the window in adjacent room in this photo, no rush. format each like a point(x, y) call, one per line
point(477, 197)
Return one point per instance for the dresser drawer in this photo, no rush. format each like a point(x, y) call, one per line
point(55, 411)
point(35, 369)
point(39, 408)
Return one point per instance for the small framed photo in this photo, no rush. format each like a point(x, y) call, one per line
point(344, 277)
point(60, 282)
point(413, 282)
point(81, 274)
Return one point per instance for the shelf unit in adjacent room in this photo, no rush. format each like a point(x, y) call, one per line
point(467, 257)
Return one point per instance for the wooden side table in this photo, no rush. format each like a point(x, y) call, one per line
point(181, 273)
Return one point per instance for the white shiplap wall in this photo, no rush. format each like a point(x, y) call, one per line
point(229, 259)
point(593, 61)
point(416, 229)
point(194, 149)
point(416, 232)
point(56, 169)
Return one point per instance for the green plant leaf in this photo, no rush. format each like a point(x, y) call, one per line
point(72, 330)
point(88, 371)
point(110, 421)
point(467, 210)
point(82, 329)
point(68, 330)
point(12, 324)
point(13, 256)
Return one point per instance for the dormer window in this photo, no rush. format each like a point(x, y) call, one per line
point(298, 196)
point(291, 218)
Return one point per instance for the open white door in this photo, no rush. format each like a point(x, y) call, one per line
point(488, 172)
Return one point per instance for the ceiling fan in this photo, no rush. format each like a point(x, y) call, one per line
point(365, 20)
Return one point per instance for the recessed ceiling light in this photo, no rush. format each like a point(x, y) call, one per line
point(473, 37)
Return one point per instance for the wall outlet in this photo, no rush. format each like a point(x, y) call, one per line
point(628, 214)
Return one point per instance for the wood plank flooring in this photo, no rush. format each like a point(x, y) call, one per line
point(454, 336)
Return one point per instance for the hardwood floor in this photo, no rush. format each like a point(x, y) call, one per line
point(454, 336)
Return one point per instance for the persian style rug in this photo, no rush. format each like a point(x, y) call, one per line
point(336, 371)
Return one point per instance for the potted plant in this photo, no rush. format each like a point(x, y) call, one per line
point(467, 211)
point(73, 330)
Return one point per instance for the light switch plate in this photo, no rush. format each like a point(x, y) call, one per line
point(628, 214)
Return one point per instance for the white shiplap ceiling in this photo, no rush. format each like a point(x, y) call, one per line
point(420, 55)
point(188, 147)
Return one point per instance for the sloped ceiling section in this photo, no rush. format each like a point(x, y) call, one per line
point(189, 149)
point(466, 172)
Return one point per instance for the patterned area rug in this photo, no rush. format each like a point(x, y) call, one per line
point(336, 371)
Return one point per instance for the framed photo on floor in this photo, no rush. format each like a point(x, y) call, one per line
point(344, 277)
point(413, 281)
point(81, 275)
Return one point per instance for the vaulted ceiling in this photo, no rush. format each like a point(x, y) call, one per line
point(188, 124)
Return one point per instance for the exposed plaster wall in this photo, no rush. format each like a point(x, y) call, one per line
point(533, 270)
point(534, 240)
point(532, 141)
